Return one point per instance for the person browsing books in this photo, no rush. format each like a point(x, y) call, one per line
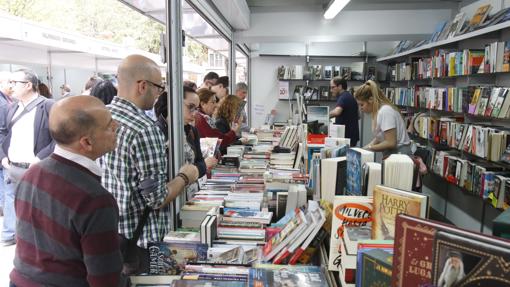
point(67, 223)
point(346, 110)
point(136, 171)
point(206, 125)
point(387, 123)
point(192, 151)
point(227, 113)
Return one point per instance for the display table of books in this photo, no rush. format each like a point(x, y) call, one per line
point(253, 223)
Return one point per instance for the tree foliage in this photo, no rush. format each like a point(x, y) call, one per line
point(109, 20)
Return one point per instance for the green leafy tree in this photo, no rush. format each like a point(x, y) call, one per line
point(102, 19)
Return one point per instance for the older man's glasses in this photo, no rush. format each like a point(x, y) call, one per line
point(160, 88)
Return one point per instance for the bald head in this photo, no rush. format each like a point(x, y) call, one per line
point(73, 117)
point(134, 68)
point(137, 79)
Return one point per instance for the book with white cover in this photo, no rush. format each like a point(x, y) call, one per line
point(398, 172)
point(347, 210)
point(331, 177)
point(371, 177)
point(336, 131)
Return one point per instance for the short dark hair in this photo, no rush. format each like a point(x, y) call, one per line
point(161, 105)
point(105, 91)
point(223, 80)
point(339, 81)
point(31, 77)
point(190, 84)
point(211, 76)
point(66, 132)
point(187, 90)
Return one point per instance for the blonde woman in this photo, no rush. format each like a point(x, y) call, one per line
point(387, 124)
point(227, 114)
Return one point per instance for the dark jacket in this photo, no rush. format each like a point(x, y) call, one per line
point(43, 142)
point(4, 108)
point(193, 138)
point(224, 126)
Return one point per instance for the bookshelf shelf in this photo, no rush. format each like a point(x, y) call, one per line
point(311, 101)
point(470, 156)
point(464, 190)
point(455, 114)
point(480, 75)
point(317, 80)
point(455, 39)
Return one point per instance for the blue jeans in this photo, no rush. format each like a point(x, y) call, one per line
point(2, 187)
point(9, 227)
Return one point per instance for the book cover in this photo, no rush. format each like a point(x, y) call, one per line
point(480, 15)
point(388, 202)
point(376, 270)
point(414, 241)
point(347, 211)
point(171, 258)
point(284, 277)
point(464, 261)
point(356, 157)
point(206, 283)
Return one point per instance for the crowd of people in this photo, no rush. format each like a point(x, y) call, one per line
point(83, 173)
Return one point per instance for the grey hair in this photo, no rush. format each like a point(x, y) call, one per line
point(31, 77)
point(241, 86)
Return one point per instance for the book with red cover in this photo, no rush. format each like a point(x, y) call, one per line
point(413, 249)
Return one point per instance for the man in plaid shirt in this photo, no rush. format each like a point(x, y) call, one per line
point(136, 171)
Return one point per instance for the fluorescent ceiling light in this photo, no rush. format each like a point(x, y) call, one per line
point(334, 8)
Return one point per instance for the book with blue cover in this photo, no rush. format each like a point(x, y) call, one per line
point(171, 258)
point(356, 157)
point(285, 275)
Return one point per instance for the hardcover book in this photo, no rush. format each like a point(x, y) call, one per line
point(376, 270)
point(171, 258)
point(414, 241)
point(464, 261)
point(388, 203)
point(311, 276)
point(206, 283)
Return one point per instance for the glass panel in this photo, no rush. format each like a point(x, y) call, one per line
point(206, 50)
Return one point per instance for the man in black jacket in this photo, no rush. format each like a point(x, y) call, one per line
point(27, 140)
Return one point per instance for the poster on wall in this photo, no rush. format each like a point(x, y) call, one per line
point(283, 90)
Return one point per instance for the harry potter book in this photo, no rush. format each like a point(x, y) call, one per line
point(388, 203)
point(462, 260)
point(414, 241)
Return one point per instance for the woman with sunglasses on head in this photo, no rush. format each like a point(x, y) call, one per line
point(192, 151)
point(387, 124)
point(206, 124)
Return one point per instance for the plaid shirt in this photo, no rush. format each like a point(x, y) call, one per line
point(139, 156)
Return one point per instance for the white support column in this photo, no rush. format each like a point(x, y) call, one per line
point(232, 66)
point(50, 74)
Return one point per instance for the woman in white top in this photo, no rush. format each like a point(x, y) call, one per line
point(387, 124)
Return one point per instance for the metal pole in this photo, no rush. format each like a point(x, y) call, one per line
point(50, 74)
point(232, 66)
point(174, 87)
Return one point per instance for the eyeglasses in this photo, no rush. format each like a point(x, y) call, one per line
point(161, 89)
point(15, 82)
point(191, 108)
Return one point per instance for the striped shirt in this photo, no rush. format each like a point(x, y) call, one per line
point(139, 159)
point(66, 229)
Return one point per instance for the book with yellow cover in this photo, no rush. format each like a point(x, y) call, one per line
point(388, 203)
